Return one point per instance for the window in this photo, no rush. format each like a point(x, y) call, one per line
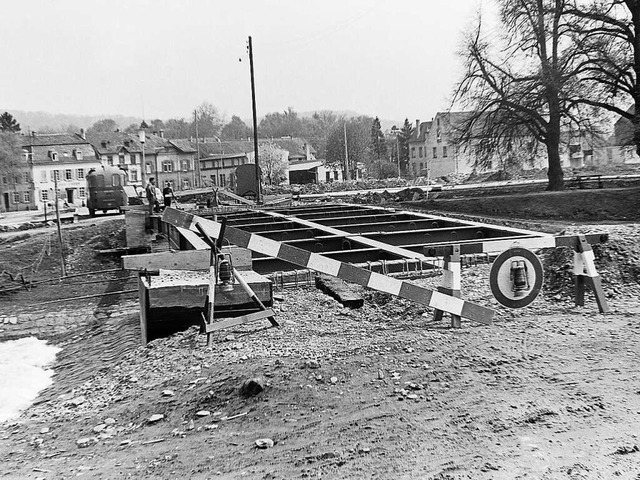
point(5, 179)
point(17, 180)
point(26, 177)
point(121, 159)
point(43, 176)
point(420, 152)
point(44, 194)
point(435, 152)
point(115, 180)
point(148, 168)
point(56, 174)
point(223, 179)
point(82, 192)
point(132, 159)
point(444, 151)
point(78, 154)
point(335, 175)
point(421, 166)
point(167, 166)
point(185, 184)
point(16, 197)
point(53, 155)
point(415, 168)
point(413, 152)
point(213, 180)
point(110, 160)
point(26, 196)
point(328, 176)
point(185, 165)
point(80, 173)
point(133, 175)
point(68, 174)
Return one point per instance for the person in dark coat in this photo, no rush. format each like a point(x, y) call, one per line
point(151, 194)
point(167, 192)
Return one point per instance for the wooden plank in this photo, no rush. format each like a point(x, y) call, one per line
point(188, 290)
point(185, 260)
point(340, 290)
point(144, 309)
point(329, 266)
point(196, 242)
point(231, 322)
point(235, 197)
point(180, 260)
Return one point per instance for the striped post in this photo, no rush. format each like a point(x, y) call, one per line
point(584, 270)
point(329, 266)
point(451, 284)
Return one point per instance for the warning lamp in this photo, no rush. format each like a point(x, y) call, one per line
point(519, 278)
point(225, 275)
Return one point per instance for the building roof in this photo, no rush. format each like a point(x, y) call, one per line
point(418, 135)
point(112, 143)
point(183, 145)
point(51, 139)
point(300, 166)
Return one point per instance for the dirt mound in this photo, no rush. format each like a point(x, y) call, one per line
point(617, 261)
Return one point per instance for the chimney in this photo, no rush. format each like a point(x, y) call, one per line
point(418, 126)
point(307, 151)
point(83, 134)
point(161, 133)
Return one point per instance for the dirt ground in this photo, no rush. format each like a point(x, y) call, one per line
point(551, 391)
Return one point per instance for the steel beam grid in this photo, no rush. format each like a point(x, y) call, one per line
point(360, 234)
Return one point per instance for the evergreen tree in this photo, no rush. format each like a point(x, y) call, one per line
point(378, 145)
point(403, 138)
point(8, 123)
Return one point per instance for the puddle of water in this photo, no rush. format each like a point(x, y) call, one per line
point(23, 373)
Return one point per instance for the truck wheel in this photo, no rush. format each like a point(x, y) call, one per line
point(92, 212)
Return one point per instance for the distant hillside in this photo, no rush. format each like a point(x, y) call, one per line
point(59, 122)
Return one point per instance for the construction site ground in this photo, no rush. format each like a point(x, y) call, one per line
point(550, 391)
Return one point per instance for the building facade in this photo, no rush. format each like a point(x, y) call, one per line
point(59, 159)
point(171, 162)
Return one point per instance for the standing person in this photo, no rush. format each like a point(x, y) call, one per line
point(151, 194)
point(168, 195)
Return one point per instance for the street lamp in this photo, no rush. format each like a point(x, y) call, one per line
point(395, 131)
point(142, 138)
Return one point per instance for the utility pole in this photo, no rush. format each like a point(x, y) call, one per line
point(195, 122)
point(55, 195)
point(255, 124)
point(346, 153)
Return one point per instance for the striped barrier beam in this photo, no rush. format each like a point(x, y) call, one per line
point(498, 246)
point(335, 268)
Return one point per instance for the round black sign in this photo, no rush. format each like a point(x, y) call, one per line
point(516, 277)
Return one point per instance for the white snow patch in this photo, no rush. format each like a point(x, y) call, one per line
point(23, 373)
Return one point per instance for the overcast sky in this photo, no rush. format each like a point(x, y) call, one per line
point(394, 59)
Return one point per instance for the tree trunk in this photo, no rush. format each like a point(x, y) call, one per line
point(554, 172)
point(635, 19)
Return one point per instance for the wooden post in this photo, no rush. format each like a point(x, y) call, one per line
point(450, 284)
point(585, 272)
point(144, 306)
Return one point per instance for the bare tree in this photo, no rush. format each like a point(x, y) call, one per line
point(529, 88)
point(609, 38)
point(273, 162)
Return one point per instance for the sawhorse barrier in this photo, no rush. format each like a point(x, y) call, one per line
point(345, 271)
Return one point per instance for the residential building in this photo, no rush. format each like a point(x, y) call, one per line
point(172, 162)
point(16, 185)
point(64, 158)
point(417, 152)
point(219, 159)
